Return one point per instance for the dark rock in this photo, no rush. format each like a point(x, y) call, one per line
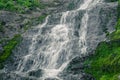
point(36, 73)
point(110, 0)
point(87, 77)
point(1, 48)
point(51, 79)
point(3, 23)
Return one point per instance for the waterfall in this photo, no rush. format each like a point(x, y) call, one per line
point(56, 51)
point(48, 51)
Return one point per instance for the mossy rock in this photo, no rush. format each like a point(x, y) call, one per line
point(104, 64)
point(8, 48)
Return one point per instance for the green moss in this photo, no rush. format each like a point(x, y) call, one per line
point(116, 34)
point(105, 63)
point(42, 17)
point(8, 48)
point(20, 5)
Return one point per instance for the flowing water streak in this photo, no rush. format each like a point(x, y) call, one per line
point(63, 17)
point(22, 62)
point(89, 4)
point(59, 41)
point(60, 37)
point(83, 32)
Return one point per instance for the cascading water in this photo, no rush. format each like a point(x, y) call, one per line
point(47, 56)
point(54, 45)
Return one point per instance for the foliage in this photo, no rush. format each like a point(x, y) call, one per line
point(116, 34)
point(21, 6)
point(104, 64)
point(8, 48)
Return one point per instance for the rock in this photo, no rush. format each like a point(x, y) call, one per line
point(51, 79)
point(110, 0)
point(87, 77)
point(35, 73)
point(1, 48)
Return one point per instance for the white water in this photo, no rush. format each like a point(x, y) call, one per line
point(47, 57)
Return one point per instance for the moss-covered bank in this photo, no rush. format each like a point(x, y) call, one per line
point(8, 48)
point(105, 63)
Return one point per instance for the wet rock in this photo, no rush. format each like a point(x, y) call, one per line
point(1, 48)
point(87, 77)
point(74, 70)
point(36, 73)
point(110, 0)
point(51, 79)
point(75, 66)
point(72, 77)
point(13, 76)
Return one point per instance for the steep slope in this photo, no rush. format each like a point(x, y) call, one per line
point(105, 63)
point(56, 49)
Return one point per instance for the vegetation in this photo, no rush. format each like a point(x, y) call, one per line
point(116, 34)
point(34, 21)
point(21, 6)
point(105, 63)
point(8, 48)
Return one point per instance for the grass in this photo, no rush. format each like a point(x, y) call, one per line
point(105, 63)
point(20, 6)
point(8, 49)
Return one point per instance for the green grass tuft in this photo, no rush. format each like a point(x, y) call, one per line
point(8, 48)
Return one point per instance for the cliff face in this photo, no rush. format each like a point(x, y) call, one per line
point(62, 45)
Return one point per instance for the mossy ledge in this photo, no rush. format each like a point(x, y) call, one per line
point(8, 48)
point(104, 64)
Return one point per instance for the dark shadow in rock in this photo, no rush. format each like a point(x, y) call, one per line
point(36, 73)
point(51, 79)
